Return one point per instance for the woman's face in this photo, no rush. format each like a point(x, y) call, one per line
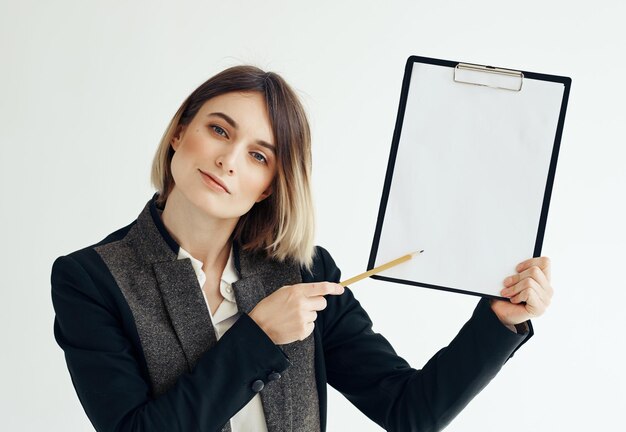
point(230, 139)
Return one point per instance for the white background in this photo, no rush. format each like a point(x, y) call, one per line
point(87, 89)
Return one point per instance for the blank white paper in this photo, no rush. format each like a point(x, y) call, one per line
point(469, 180)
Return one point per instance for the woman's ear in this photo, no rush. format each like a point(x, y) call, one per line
point(178, 135)
point(267, 192)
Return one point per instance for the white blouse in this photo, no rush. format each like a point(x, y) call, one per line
point(251, 416)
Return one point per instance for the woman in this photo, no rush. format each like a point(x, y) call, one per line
point(214, 311)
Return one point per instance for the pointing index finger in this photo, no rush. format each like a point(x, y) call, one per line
point(323, 288)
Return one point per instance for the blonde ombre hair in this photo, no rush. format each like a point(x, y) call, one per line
point(283, 224)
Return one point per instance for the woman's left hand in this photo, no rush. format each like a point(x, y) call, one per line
point(529, 290)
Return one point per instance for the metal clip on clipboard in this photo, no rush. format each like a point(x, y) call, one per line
point(488, 76)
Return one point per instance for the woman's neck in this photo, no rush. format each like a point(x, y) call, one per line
point(207, 239)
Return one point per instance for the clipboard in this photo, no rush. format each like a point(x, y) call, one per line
point(470, 174)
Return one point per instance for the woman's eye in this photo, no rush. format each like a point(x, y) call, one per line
point(218, 130)
point(261, 159)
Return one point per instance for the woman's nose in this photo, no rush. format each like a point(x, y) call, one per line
point(225, 166)
point(227, 160)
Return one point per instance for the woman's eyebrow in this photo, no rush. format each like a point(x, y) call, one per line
point(228, 119)
point(233, 123)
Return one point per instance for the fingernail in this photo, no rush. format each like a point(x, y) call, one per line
point(507, 280)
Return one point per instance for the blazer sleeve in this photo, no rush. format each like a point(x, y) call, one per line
point(107, 373)
point(363, 366)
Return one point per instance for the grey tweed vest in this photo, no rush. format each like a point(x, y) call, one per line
point(175, 328)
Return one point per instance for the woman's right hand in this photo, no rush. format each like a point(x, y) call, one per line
point(288, 314)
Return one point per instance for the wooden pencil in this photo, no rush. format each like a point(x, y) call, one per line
point(380, 268)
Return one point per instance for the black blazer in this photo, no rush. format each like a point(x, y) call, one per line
point(96, 329)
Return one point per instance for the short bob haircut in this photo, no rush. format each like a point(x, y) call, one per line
point(283, 224)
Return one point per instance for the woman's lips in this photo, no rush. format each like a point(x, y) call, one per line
point(213, 182)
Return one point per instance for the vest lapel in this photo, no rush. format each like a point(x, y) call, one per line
point(186, 307)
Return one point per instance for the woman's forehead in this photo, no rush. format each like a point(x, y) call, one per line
point(238, 101)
